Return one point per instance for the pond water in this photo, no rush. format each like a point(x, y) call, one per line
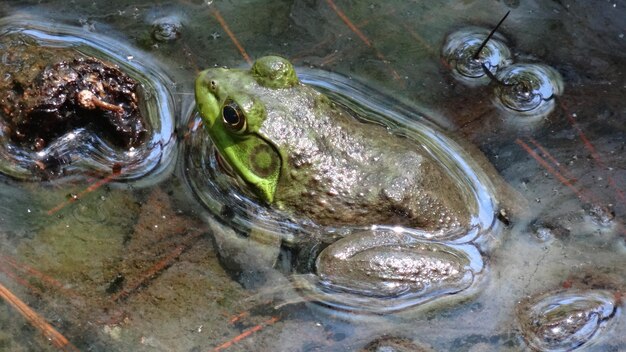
point(138, 260)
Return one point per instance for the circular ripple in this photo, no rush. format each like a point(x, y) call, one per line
point(460, 48)
point(565, 320)
point(528, 89)
point(80, 150)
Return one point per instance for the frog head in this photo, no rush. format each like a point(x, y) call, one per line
point(232, 115)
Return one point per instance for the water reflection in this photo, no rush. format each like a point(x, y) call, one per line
point(476, 56)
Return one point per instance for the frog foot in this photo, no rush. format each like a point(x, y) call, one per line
point(382, 270)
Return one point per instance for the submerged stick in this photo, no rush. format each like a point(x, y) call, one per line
point(245, 334)
point(482, 45)
point(493, 31)
point(49, 332)
point(158, 267)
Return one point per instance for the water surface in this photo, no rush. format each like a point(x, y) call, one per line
point(131, 264)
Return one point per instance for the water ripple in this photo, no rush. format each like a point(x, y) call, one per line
point(565, 320)
point(460, 48)
point(528, 89)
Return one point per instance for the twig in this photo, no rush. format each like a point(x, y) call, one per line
point(245, 334)
point(49, 332)
point(157, 268)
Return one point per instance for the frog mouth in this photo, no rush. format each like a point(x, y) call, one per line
point(222, 165)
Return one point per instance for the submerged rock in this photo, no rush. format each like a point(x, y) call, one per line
point(600, 214)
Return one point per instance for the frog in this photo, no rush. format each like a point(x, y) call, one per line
point(295, 150)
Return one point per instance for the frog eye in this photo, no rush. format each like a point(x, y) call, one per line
point(233, 117)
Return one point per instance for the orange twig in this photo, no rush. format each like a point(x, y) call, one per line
point(245, 334)
point(553, 160)
point(238, 317)
point(190, 57)
point(159, 266)
point(25, 268)
point(38, 274)
point(349, 23)
point(418, 38)
point(311, 49)
point(583, 137)
point(232, 36)
point(619, 192)
point(49, 332)
point(192, 127)
point(594, 154)
point(330, 58)
point(13, 276)
point(550, 169)
point(620, 226)
point(361, 36)
point(94, 186)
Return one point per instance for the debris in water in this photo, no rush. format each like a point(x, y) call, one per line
point(71, 94)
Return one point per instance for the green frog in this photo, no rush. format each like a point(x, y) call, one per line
point(297, 151)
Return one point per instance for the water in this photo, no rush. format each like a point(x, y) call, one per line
point(131, 264)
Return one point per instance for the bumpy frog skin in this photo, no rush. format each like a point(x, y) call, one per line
point(303, 154)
